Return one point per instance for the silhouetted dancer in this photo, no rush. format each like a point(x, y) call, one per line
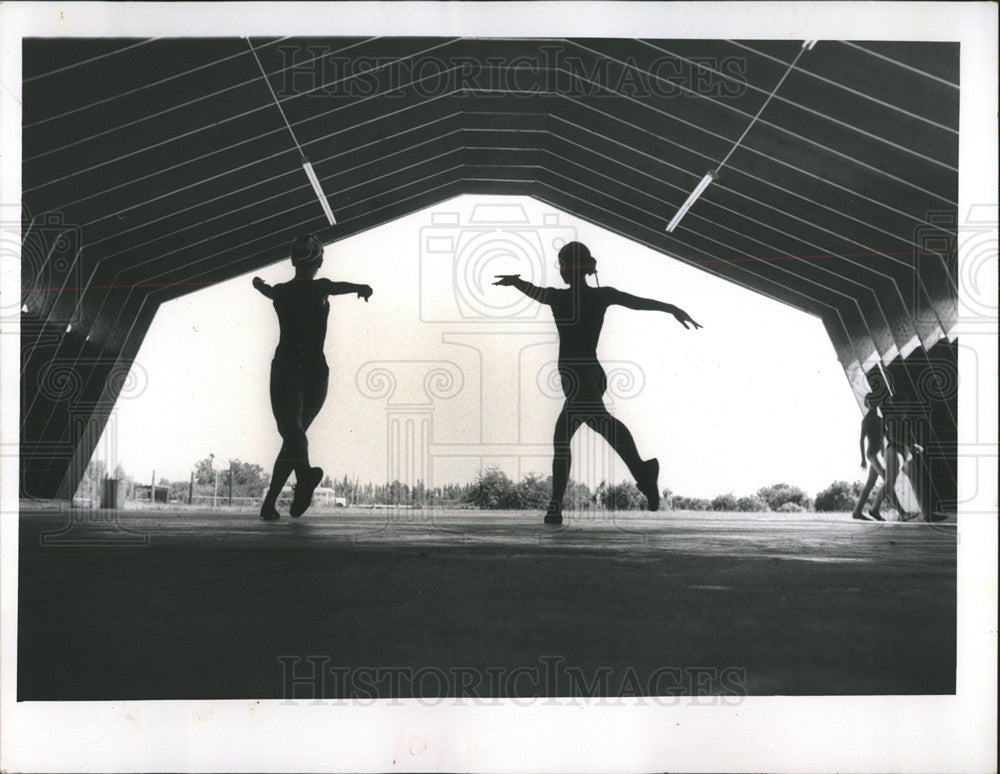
point(872, 433)
point(579, 316)
point(900, 447)
point(299, 373)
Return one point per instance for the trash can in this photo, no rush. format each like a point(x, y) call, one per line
point(113, 495)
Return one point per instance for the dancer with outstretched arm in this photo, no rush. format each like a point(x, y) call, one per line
point(299, 372)
point(579, 316)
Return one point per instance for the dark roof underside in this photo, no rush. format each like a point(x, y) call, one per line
point(153, 167)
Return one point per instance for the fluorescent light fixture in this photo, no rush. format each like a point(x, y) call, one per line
point(708, 178)
point(808, 45)
point(885, 378)
point(308, 167)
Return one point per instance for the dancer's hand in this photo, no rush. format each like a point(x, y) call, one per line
point(365, 292)
point(918, 449)
point(684, 318)
point(506, 279)
point(262, 287)
point(864, 464)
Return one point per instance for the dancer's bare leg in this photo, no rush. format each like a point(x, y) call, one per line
point(893, 465)
point(875, 471)
point(296, 398)
point(567, 424)
point(620, 437)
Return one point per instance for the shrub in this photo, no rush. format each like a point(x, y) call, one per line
point(621, 497)
point(779, 494)
point(578, 496)
point(493, 489)
point(724, 502)
point(839, 496)
point(533, 491)
point(679, 503)
point(753, 503)
point(790, 507)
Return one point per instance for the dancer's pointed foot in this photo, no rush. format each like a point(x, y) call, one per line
point(649, 483)
point(554, 513)
point(862, 516)
point(303, 496)
point(875, 515)
point(268, 512)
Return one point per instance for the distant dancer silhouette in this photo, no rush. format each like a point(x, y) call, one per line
point(579, 316)
point(900, 447)
point(299, 373)
point(872, 432)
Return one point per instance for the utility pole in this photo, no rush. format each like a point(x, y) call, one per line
point(191, 489)
point(230, 482)
point(152, 489)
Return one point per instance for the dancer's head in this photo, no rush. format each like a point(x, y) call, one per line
point(307, 255)
point(872, 400)
point(575, 263)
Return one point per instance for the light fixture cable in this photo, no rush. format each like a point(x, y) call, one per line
point(710, 176)
point(306, 164)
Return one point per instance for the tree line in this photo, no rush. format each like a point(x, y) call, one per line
point(492, 490)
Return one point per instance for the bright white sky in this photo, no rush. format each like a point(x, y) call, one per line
point(754, 398)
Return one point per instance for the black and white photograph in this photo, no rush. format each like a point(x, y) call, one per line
point(499, 386)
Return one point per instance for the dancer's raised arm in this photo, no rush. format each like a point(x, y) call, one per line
point(262, 287)
point(531, 291)
point(648, 304)
point(346, 288)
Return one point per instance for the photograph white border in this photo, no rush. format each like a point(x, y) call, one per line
point(926, 733)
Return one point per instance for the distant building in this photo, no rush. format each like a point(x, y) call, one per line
point(322, 495)
point(141, 493)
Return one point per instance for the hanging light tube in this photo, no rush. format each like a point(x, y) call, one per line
point(306, 165)
point(807, 45)
point(311, 174)
point(708, 178)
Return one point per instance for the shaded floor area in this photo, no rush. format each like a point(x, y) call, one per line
point(186, 604)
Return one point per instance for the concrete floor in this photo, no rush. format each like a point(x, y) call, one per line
point(186, 604)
